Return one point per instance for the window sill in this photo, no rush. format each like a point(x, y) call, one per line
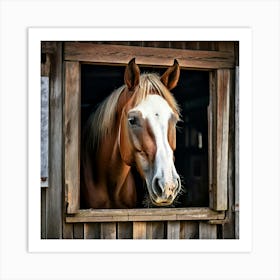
point(151, 214)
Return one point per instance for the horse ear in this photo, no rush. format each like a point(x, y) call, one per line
point(132, 74)
point(171, 76)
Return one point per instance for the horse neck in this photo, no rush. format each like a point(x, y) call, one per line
point(112, 169)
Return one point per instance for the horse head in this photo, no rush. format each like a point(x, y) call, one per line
point(147, 134)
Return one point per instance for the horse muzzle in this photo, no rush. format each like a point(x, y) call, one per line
point(164, 192)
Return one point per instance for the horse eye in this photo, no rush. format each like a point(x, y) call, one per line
point(133, 121)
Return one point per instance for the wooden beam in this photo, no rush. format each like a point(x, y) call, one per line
point(125, 215)
point(219, 134)
point(54, 201)
point(236, 153)
point(117, 54)
point(72, 136)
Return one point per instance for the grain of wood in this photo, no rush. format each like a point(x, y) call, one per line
point(72, 135)
point(50, 47)
point(92, 230)
point(68, 231)
point(46, 66)
point(189, 230)
point(155, 230)
point(54, 202)
point(44, 192)
point(109, 54)
point(78, 231)
point(223, 93)
point(207, 231)
point(173, 230)
point(237, 151)
point(228, 228)
point(227, 46)
point(125, 215)
point(125, 230)
point(139, 230)
point(218, 142)
point(211, 130)
point(108, 231)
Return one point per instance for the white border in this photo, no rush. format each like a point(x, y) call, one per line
point(243, 35)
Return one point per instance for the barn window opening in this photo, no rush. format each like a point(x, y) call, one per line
point(192, 95)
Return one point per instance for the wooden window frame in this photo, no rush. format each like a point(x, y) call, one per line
point(220, 64)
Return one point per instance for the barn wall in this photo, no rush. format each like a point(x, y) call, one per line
point(53, 223)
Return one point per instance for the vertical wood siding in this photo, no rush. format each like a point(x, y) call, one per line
point(53, 203)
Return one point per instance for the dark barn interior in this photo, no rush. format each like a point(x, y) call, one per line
point(192, 94)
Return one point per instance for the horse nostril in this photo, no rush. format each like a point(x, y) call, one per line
point(157, 187)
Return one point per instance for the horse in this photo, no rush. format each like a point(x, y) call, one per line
point(134, 127)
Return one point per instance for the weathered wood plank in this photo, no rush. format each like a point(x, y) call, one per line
point(92, 230)
point(173, 230)
point(125, 230)
point(147, 56)
point(226, 46)
point(72, 135)
point(207, 231)
point(220, 131)
point(68, 231)
point(49, 47)
point(139, 230)
point(46, 66)
point(223, 93)
point(78, 231)
point(108, 231)
point(211, 128)
point(228, 228)
point(155, 230)
point(54, 203)
point(189, 230)
point(44, 192)
point(236, 206)
point(125, 215)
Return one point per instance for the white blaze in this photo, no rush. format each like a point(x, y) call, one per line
point(157, 111)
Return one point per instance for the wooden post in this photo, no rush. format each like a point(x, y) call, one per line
point(219, 138)
point(54, 203)
point(72, 135)
point(237, 152)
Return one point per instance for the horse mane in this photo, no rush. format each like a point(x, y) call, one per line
point(102, 122)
